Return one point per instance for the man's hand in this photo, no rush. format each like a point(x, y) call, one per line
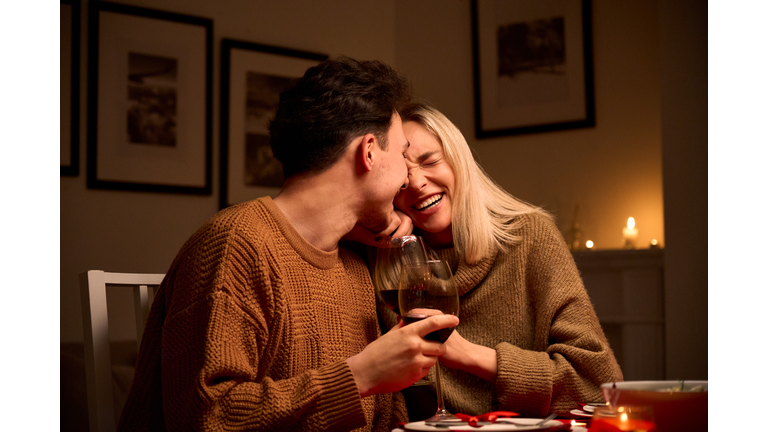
point(399, 225)
point(399, 358)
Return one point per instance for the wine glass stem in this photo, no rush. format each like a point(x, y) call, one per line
point(439, 389)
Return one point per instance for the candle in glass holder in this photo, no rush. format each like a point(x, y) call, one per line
point(622, 419)
point(630, 234)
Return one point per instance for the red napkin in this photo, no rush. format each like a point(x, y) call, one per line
point(489, 417)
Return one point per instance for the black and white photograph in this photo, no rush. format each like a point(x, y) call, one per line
point(533, 66)
point(149, 100)
point(261, 167)
point(532, 62)
point(152, 99)
point(253, 76)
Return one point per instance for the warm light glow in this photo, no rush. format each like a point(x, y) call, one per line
point(631, 223)
point(654, 242)
point(623, 417)
point(590, 244)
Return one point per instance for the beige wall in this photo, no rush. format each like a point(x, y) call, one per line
point(612, 171)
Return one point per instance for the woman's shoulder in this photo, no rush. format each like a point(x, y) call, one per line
point(538, 222)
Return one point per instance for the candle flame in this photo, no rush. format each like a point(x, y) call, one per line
point(654, 242)
point(631, 223)
point(624, 417)
point(589, 244)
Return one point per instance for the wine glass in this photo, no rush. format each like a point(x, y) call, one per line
point(391, 258)
point(426, 289)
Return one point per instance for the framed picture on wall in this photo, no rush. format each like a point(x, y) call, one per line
point(532, 66)
point(252, 78)
point(69, 87)
point(149, 100)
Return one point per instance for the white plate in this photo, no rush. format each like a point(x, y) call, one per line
point(580, 413)
point(498, 426)
point(591, 408)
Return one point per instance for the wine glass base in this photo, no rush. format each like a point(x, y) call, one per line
point(441, 416)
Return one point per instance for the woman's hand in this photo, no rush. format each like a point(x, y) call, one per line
point(464, 355)
point(399, 225)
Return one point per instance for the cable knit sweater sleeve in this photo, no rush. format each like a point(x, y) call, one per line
point(570, 356)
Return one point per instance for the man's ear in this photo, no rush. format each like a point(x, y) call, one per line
point(366, 152)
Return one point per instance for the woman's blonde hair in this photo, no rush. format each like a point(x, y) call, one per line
point(485, 216)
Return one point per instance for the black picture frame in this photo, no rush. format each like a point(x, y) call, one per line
point(252, 76)
point(523, 87)
point(149, 100)
point(70, 88)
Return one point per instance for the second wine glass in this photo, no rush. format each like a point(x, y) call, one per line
point(427, 289)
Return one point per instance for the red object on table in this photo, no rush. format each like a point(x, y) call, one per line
point(489, 417)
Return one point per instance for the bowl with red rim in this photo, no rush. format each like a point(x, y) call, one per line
point(678, 406)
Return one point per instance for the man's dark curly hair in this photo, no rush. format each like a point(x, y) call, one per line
point(332, 103)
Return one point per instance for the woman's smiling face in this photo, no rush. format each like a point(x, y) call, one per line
point(428, 198)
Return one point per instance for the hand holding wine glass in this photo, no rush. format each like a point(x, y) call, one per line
point(400, 357)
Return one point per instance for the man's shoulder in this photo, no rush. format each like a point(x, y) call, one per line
point(242, 225)
point(248, 217)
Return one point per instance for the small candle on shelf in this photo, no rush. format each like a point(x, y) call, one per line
point(655, 244)
point(589, 244)
point(630, 234)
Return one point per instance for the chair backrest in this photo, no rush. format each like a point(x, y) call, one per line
point(98, 364)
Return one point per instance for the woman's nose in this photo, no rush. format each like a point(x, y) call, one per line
point(416, 179)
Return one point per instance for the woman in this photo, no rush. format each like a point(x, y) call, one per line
point(529, 340)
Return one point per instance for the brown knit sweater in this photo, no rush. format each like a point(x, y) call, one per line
point(250, 331)
point(530, 305)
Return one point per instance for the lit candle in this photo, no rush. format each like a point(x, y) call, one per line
point(590, 244)
point(630, 234)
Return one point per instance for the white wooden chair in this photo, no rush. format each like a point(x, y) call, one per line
point(98, 364)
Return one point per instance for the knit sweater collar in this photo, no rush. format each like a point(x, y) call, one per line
point(318, 258)
point(466, 276)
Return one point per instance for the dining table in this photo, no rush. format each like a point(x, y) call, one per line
point(576, 424)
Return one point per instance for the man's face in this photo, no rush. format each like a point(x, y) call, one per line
point(390, 175)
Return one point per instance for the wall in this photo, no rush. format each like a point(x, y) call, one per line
point(684, 82)
point(141, 232)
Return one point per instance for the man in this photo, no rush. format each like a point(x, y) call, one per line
point(262, 322)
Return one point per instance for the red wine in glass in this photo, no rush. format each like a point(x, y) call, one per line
point(441, 335)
